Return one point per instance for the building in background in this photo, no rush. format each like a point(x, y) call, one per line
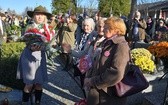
point(156, 10)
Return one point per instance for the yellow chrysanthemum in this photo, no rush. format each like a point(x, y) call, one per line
point(145, 64)
point(142, 58)
point(135, 53)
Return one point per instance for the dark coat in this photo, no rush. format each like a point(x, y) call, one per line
point(108, 71)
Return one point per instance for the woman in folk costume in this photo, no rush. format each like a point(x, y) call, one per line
point(32, 64)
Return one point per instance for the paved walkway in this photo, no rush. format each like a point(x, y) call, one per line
point(60, 90)
point(63, 90)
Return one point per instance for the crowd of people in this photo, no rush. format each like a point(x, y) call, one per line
point(148, 30)
point(106, 41)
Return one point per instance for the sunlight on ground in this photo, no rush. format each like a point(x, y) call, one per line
point(57, 96)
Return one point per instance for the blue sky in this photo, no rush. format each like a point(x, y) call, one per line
point(140, 1)
point(20, 5)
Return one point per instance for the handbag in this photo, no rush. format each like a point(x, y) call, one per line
point(85, 63)
point(132, 83)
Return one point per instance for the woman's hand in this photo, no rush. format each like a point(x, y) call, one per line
point(54, 45)
point(68, 20)
point(87, 82)
point(66, 48)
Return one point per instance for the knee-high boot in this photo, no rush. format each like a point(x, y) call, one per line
point(25, 97)
point(38, 94)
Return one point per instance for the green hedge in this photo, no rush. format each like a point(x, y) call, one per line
point(9, 56)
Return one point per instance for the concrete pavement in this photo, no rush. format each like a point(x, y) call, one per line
point(60, 90)
point(63, 90)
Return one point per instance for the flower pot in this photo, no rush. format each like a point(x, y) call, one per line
point(161, 64)
point(165, 63)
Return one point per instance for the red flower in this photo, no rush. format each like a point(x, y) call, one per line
point(34, 30)
point(46, 33)
point(50, 27)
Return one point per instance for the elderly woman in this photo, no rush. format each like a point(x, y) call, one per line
point(82, 47)
point(91, 48)
point(84, 40)
point(88, 26)
point(93, 43)
point(87, 37)
point(109, 66)
point(96, 43)
point(32, 64)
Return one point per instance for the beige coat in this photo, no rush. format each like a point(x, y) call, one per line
point(108, 71)
point(68, 34)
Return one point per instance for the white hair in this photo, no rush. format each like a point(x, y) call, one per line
point(91, 21)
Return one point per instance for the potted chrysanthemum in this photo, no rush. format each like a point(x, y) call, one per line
point(143, 58)
point(160, 51)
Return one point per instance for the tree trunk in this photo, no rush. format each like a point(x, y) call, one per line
point(133, 8)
